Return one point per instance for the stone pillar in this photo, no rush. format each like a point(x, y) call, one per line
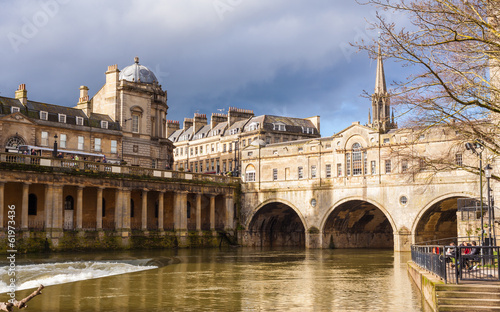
point(99, 209)
point(183, 210)
point(24, 207)
point(212, 212)
point(161, 195)
point(198, 212)
point(118, 209)
point(79, 208)
point(313, 240)
point(229, 224)
point(49, 192)
point(2, 207)
point(57, 204)
point(126, 209)
point(402, 240)
point(144, 210)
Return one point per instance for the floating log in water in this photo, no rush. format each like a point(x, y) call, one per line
point(9, 306)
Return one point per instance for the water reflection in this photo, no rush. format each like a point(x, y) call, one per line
point(245, 280)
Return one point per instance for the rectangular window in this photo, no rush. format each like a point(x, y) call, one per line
point(328, 170)
point(201, 150)
point(79, 121)
point(80, 142)
point(213, 147)
point(223, 148)
point(44, 115)
point(348, 164)
point(97, 144)
point(62, 141)
point(404, 166)
point(212, 165)
point(114, 147)
point(374, 167)
point(207, 165)
point(339, 170)
point(135, 124)
point(250, 176)
point(230, 165)
point(104, 124)
point(217, 147)
point(365, 163)
point(275, 174)
point(224, 168)
point(15, 109)
point(458, 159)
point(386, 140)
point(191, 151)
point(313, 172)
point(230, 147)
point(356, 163)
point(301, 172)
point(387, 166)
point(250, 153)
point(45, 138)
point(62, 118)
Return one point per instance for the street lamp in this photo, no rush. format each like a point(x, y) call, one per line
point(54, 152)
point(487, 173)
point(477, 148)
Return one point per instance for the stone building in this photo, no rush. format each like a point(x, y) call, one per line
point(215, 147)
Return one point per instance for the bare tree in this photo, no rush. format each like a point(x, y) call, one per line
point(9, 306)
point(451, 49)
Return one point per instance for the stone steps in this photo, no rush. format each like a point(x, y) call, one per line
point(468, 297)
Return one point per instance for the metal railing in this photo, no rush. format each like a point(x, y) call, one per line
point(89, 166)
point(459, 263)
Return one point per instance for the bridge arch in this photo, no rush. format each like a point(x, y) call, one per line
point(437, 221)
point(356, 222)
point(275, 222)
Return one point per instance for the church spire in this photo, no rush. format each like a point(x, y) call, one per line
point(380, 86)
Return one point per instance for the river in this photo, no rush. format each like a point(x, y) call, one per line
point(241, 279)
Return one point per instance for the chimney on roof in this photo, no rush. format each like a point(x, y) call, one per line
point(84, 102)
point(188, 123)
point(22, 94)
point(172, 126)
point(216, 119)
point(200, 120)
point(112, 74)
point(237, 114)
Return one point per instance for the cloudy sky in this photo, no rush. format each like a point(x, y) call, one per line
point(277, 57)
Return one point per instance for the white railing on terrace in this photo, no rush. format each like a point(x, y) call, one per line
point(89, 166)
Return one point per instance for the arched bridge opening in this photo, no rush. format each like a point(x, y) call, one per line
point(276, 225)
point(438, 224)
point(357, 224)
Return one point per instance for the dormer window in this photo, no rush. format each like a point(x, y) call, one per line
point(308, 130)
point(253, 126)
point(62, 118)
point(279, 127)
point(104, 124)
point(15, 109)
point(234, 131)
point(79, 121)
point(44, 115)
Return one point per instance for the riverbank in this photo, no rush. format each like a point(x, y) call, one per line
point(38, 242)
point(479, 296)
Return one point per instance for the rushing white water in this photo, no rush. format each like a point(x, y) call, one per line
point(31, 276)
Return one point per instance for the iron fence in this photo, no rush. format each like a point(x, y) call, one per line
point(459, 263)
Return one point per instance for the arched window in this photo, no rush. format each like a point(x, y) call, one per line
point(14, 142)
point(32, 204)
point(357, 160)
point(188, 210)
point(250, 173)
point(69, 203)
point(131, 208)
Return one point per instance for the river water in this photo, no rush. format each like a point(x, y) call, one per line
point(240, 279)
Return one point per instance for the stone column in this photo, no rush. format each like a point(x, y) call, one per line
point(144, 210)
point(402, 240)
point(126, 209)
point(118, 209)
point(180, 215)
point(2, 208)
point(160, 211)
point(198, 212)
point(49, 192)
point(57, 202)
point(229, 213)
point(24, 207)
point(99, 209)
point(183, 207)
point(79, 208)
point(212, 212)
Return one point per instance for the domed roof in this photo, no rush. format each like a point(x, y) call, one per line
point(138, 73)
